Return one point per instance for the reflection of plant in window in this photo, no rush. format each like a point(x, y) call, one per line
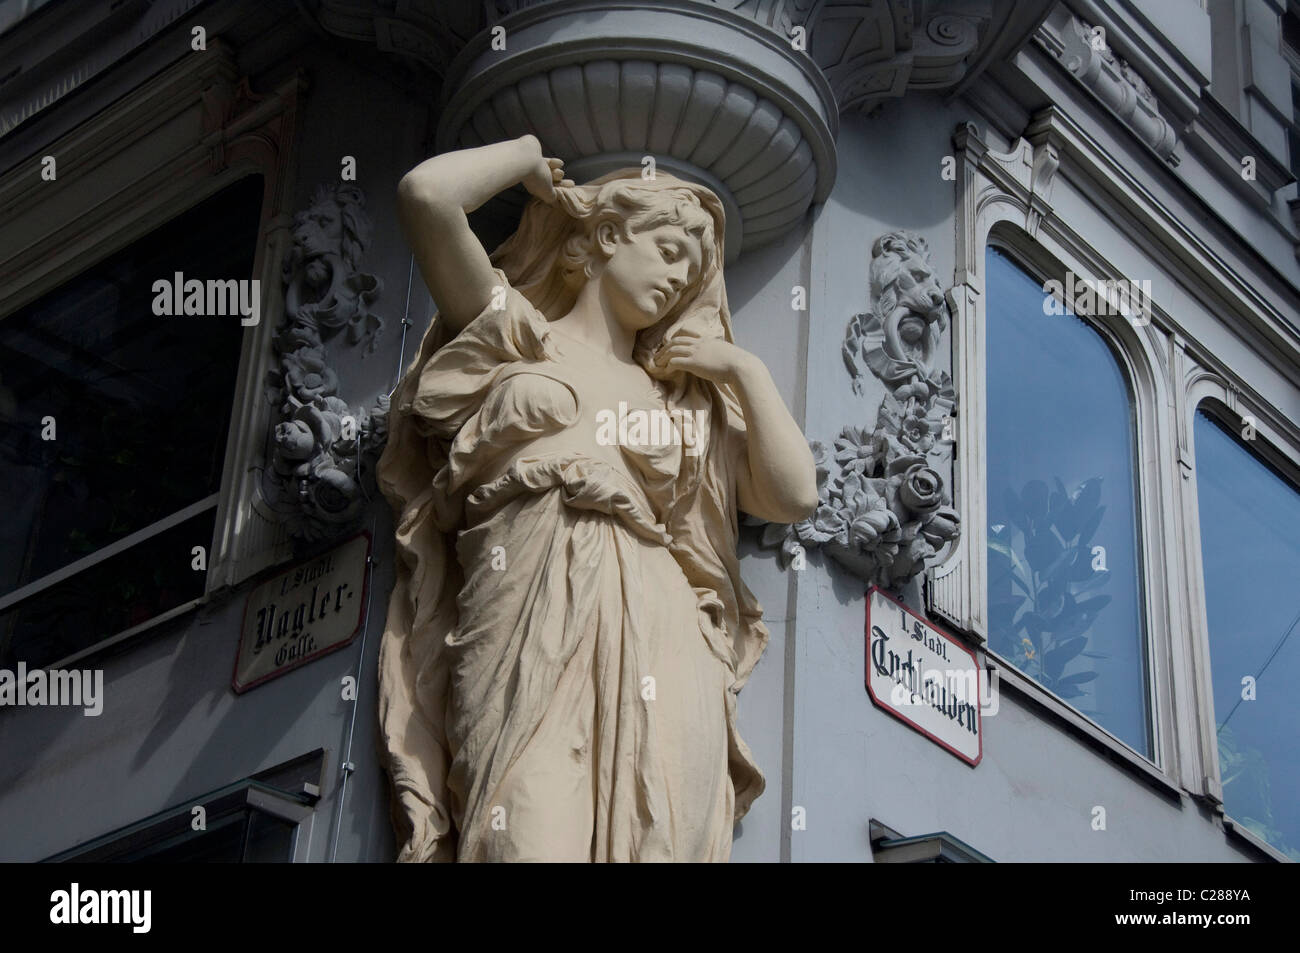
point(1247, 793)
point(1040, 568)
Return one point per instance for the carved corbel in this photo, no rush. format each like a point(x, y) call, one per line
point(1047, 159)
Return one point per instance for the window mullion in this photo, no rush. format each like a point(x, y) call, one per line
point(107, 552)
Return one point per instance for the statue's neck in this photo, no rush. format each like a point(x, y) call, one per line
point(592, 321)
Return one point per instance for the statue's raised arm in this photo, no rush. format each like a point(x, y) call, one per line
point(433, 200)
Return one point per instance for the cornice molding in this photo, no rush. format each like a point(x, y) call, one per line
point(1220, 138)
point(1115, 186)
point(1162, 67)
point(44, 74)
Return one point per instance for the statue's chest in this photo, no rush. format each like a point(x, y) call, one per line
point(622, 415)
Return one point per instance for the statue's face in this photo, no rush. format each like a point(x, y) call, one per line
point(648, 273)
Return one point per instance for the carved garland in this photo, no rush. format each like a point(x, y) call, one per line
point(886, 512)
point(322, 467)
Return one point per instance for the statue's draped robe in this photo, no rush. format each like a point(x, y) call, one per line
point(565, 644)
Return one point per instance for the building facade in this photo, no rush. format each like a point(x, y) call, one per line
point(1024, 271)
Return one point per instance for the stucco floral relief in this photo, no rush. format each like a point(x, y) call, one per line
point(323, 449)
point(885, 502)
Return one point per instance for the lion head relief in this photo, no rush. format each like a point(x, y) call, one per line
point(325, 288)
point(321, 466)
point(899, 340)
point(909, 300)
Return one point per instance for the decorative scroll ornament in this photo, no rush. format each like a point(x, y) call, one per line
point(322, 465)
point(885, 507)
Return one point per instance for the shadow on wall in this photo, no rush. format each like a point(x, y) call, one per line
point(891, 164)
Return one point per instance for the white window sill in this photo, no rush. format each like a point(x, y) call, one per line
point(1081, 726)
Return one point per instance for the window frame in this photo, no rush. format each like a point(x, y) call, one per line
point(1016, 188)
point(174, 825)
point(104, 553)
point(1012, 244)
point(1005, 201)
point(197, 128)
point(1290, 8)
point(1214, 391)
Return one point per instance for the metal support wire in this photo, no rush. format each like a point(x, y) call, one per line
point(406, 323)
point(346, 766)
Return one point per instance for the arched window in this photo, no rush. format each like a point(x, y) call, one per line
point(1064, 562)
point(1250, 554)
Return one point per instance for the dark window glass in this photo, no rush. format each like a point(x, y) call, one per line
point(106, 598)
point(140, 403)
point(1064, 569)
point(1291, 30)
point(1250, 549)
point(1293, 130)
point(114, 419)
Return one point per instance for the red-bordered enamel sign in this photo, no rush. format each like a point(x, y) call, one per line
point(923, 677)
point(302, 613)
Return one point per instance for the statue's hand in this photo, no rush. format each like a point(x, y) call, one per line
point(710, 358)
point(545, 174)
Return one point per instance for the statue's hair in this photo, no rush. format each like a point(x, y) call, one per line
point(554, 251)
point(633, 208)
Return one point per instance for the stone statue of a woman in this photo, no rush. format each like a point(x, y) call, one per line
point(569, 630)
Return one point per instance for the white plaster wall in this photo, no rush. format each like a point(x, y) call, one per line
point(760, 293)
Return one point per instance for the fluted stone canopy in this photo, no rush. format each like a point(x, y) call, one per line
point(743, 96)
point(708, 94)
